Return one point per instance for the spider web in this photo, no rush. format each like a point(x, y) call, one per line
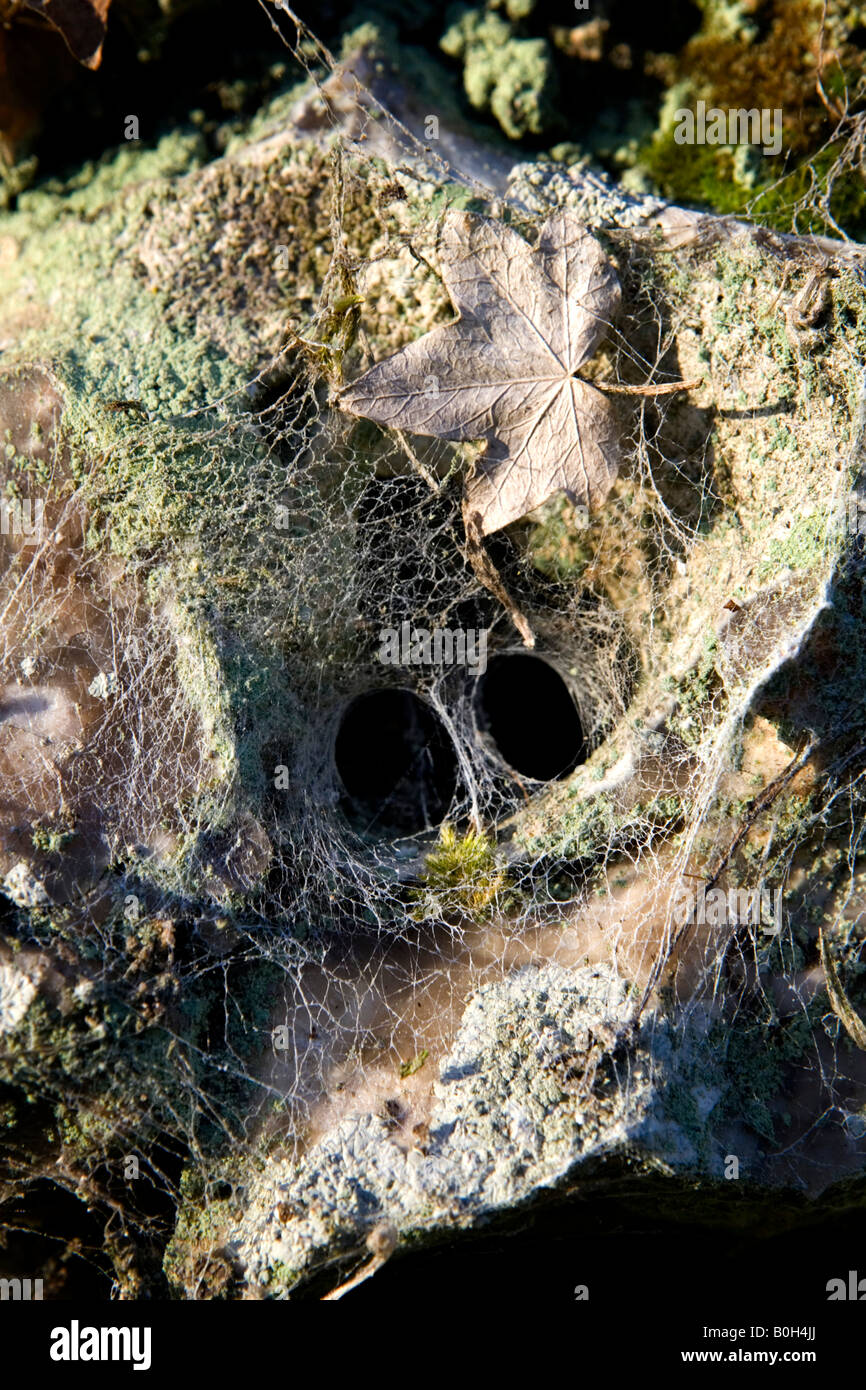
point(243, 952)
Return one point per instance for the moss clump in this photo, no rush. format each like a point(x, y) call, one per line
point(805, 547)
point(195, 1258)
point(460, 875)
point(50, 837)
point(573, 828)
point(755, 1055)
point(767, 61)
point(408, 1069)
point(694, 173)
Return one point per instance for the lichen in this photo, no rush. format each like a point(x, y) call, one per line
point(512, 78)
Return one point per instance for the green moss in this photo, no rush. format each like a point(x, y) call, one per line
point(194, 1257)
point(281, 1278)
point(49, 838)
point(577, 829)
point(86, 1131)
point(461, 874)
point(733, 63)
point(699, 695)
point(690, 174)
point(99, 300)
point(407, 1069)
point(756, 1052)
point(682, 1107)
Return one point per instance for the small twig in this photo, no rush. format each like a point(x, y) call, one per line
point(838, 113)
point(381, 1242)
point(487, 574)
point(759, 805)
point(416, 255)
point(839, 1001)
point(665, 390)
point(416, 463)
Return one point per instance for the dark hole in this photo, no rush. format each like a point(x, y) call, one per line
point(525, 709)
point(396, 762)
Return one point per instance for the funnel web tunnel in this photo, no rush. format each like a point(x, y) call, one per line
point(398, 765)
point(526, 714)
point(396, 762)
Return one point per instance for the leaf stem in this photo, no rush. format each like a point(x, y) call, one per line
point(662, 390)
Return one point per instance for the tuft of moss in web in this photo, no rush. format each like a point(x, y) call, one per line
point(461, 874)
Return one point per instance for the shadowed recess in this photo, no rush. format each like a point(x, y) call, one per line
point(525, 710)
point(396, 762)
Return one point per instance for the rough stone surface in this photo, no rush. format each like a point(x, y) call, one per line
point(17, 992)
point(509, 1120)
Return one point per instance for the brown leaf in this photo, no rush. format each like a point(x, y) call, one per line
point(507, 370)
point(80, 23)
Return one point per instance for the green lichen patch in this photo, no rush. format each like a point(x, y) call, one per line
point(511, 77)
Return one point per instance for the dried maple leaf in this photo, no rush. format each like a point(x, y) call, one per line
point(506, 371)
